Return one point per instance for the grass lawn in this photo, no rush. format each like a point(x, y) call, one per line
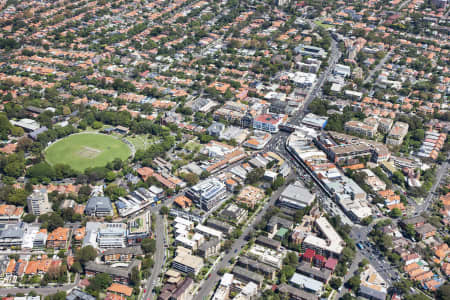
point(142, 141)
point(325, 26)
point(81, 151)
point(192, 146)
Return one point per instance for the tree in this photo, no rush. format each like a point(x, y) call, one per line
point(164, 210)
point(110, 176)
point(17, 131)
point(398, 178)
point(148, 245)
point(190, 178)
point(99, 282)
point(114, 191)
point(443, 292)
point(86, 254)
point(395, 213)
point(335, 283)
point(97, 125)
point(51, 221)
point(354, 282)
point(58, 296)
point(347, 296)
point(76, 267)
point(135, 277)
point(255, 175)
point(5, 126)
point(29, 218)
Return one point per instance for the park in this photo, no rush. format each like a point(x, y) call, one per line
point(86, 150)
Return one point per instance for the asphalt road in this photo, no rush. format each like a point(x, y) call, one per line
point(378, 67)
point(44, 291)
point(214, 278)
point(158, 257)
point(443, 170)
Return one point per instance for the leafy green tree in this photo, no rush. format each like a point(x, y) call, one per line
point(255, 175)
point(76, 267)
point(398, 178)
point(354, 283)
point(5, 126)
point(57, 296)
point(164, 210)
point(51, 221)
point(29, 218)
point(135, 277)
point(99, 282)
point(443, 292)
point(335, 283)
point(395, 213)
point(86, 254)
point(148, 245)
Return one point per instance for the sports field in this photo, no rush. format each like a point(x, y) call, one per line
point(81, 151)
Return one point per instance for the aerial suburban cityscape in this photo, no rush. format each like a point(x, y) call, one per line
point(224, 149)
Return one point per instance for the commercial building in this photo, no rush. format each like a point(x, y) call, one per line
point(99, 207)
point(342, 70)
point(315, 121)
point(139, 228)
point(11, 235)
point(187, 263)
point(269, 122)
point(373, 286)
point(258, 140)
point(38, 202)
point(397, 134)
point(112, 235)
point(296, 196)
point(207, 194)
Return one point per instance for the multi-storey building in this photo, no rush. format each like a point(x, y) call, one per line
point(38, 202)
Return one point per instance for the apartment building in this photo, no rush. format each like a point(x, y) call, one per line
point(207, 193)
point(38, 202)
point(397, 134)
point(187, 263)
point(369, 130)
point(331, 245)
point(58, 238)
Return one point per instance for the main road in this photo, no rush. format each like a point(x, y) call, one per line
point(214, 278)
point(443, 170)
point(158, 256)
